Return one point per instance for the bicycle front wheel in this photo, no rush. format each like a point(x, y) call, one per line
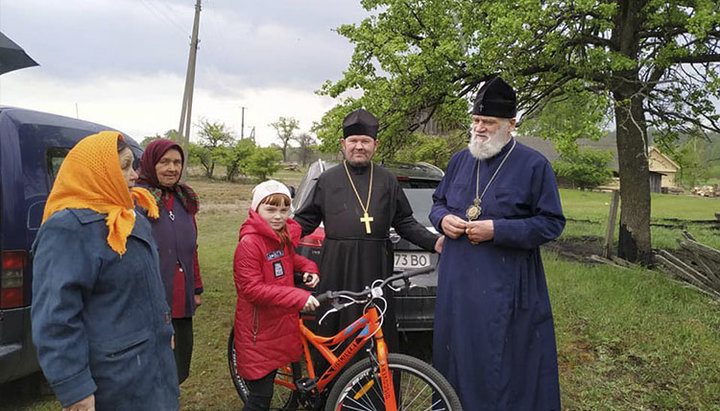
point(418, 387)
point(285, 397)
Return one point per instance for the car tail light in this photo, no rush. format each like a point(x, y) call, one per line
point(313, 240)
point(12, 294)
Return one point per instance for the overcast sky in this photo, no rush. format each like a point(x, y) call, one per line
point(122, 63)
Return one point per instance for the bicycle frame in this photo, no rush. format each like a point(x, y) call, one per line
point(308, 389)
point(364, 328)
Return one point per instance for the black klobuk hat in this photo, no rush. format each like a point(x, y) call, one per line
point(360, 122)
point(495, 99)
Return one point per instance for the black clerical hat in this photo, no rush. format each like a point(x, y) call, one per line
point(496, 99)
point(360, 122)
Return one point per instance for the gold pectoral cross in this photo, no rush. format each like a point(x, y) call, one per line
point(367, 220)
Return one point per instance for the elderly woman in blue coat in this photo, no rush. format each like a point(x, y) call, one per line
point(100, 321)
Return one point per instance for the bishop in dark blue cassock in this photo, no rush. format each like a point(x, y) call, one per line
point(494, 338)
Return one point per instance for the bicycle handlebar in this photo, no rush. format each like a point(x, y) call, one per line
point(367, 292)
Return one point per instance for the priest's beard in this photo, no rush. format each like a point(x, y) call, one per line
point(360, 163)
point(486, 149)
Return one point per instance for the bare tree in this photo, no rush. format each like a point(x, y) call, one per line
point(285, 127)
point(307, 146)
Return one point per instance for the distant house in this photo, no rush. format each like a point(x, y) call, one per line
point(662, 168)
point(660, 163)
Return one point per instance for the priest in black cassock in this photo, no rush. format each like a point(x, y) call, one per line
point(494, 338)
point(359, 201)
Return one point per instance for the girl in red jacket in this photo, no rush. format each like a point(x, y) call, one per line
point(267, 333)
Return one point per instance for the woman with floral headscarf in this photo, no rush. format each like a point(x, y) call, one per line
point(99, 317)
point(175, 231)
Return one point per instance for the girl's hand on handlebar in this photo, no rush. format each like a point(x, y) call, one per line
point(311, 279)
point(311, 304)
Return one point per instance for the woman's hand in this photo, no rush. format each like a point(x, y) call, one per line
point(86, 404)
point(311, 304)
point(311, 279)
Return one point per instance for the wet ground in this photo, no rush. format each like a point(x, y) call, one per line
point(577, 248)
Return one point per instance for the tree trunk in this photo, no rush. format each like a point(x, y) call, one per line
point(628, 92)
point(634, 233)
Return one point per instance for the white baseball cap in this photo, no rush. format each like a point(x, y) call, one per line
point(265, 189)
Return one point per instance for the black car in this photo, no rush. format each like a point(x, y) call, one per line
point(415, 308)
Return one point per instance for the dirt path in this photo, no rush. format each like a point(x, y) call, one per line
point(577, 248)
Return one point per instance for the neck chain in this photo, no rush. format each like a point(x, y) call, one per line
point(366, 219)
point(474, 211)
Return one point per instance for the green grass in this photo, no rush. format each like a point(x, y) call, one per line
point(594, 206)
point(209, 385)
point(633, 339)
point(627, 339)
point(588, 214)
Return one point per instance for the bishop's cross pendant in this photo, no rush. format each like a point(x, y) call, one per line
point(367, 220)
point(474, 211)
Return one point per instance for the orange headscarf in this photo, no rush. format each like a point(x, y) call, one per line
point(90, 177)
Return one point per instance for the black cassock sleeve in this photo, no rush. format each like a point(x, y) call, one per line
point(407, 226)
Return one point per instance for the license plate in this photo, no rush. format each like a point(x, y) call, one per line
point(411, 259)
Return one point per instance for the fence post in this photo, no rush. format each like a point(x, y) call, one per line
point(612, 218)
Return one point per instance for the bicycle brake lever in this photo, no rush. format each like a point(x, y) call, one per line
point(332, 310)
point(405, 286)
point(336, 307)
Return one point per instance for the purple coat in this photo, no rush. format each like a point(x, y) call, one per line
point(177, 240)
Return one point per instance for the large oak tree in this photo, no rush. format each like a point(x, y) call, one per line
point(640, 63)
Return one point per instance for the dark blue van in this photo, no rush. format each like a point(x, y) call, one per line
point(32, 147)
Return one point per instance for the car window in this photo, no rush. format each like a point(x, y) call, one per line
point(421, 202)
point(307, 185)
point(55, 157)
point(417, 183)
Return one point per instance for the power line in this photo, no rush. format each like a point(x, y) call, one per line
point(163, 16)
point(172, 12)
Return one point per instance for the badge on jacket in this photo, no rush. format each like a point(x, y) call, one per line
point(274, 254)
point(279, 272)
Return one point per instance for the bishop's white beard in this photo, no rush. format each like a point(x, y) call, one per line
point(489, 148)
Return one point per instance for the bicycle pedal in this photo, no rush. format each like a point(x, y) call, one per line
point(305, 384)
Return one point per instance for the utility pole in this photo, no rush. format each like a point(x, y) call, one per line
point(242, 123)
point(186, 111)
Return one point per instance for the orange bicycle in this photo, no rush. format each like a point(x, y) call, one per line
point(381, 381)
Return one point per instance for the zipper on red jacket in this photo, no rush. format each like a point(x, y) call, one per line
point(255, 326)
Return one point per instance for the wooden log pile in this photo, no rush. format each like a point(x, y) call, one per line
point(705, 191)
point(699, 267)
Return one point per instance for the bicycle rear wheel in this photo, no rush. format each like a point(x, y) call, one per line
point(285, 397)
point(418, 385)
